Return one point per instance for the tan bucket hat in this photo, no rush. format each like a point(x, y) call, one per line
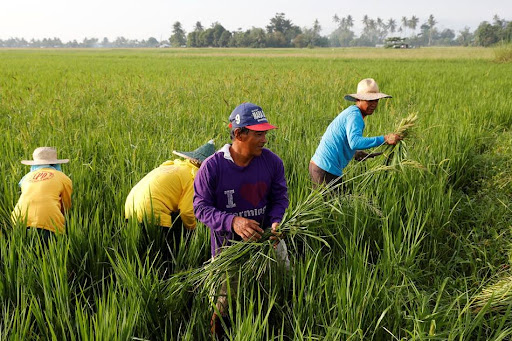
point(44, 156)
point(367, 90)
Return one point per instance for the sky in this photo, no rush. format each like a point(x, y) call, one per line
point(78, 19)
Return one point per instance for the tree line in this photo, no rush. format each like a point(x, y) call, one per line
point(85, 43)
point(281, 32)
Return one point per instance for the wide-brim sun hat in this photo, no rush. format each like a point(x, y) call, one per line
point(200, 154)
point(44, 156)
point(367, 90)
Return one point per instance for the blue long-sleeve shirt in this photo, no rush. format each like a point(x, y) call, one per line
point(341, 140)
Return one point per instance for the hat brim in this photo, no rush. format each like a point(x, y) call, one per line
point(261, 127)
point(187, 156)
point(366, 97)
point(43, 162)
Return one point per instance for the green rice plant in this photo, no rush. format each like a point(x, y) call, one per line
point(140, 277)
point(250, 320)
point(115, 316)
point(17, 322)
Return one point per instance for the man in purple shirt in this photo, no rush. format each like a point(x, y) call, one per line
point(241, 189)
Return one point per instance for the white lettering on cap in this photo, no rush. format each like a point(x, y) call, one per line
point(237, 118)
point(258, 115)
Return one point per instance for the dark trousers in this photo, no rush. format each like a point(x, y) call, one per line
point(320, 177)
point(42, 234)
point(162, 241)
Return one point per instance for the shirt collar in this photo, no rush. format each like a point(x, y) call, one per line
point(33, 168)
point(226, 152)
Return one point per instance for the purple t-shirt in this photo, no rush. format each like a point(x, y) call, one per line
point(223, 190)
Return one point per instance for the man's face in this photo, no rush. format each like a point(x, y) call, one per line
point(367, 107)
point(255, 141)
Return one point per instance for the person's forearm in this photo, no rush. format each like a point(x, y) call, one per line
point(214, 218)
point(360, 142)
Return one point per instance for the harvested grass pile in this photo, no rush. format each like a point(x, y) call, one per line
point(496, 297)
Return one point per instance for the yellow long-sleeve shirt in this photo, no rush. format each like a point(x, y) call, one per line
point(166, 189)
point(45, 196)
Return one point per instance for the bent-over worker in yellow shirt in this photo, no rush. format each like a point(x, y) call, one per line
point(163, 198)
point(45, 193)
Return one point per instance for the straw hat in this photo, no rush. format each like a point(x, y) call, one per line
point(200, 154)
point(367, 90)
point(44, 156)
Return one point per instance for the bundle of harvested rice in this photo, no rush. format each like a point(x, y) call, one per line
point(497, 297)
point(252, 260)
point(397, 154)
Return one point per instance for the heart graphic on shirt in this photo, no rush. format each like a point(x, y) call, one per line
point(253, 193)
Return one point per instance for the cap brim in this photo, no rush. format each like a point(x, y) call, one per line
point(261, 127)
point(184, 155)
point(366, 97)
point(43, 162)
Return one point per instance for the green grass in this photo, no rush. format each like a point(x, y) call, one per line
point(408, 252)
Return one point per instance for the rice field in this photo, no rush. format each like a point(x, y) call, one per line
point(404, 254)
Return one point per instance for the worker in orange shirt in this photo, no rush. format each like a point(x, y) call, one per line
point(45, 194)
point(162, 201)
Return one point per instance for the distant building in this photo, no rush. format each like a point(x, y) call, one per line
point(396, 43)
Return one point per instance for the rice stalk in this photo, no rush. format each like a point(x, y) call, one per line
point(397, 155)
point(255, 259)
point(306, 223)
point(498, 296)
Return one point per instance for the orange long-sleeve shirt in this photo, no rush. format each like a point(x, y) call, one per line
point(166, 189)
point(45, 197)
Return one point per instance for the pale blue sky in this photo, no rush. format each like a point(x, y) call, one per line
point(76, 19)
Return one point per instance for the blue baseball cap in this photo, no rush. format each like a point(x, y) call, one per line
point(250, 116)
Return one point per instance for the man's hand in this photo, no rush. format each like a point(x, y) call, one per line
point(361, 155)
point(392, 138)
point(248, 229)
point(276, 236)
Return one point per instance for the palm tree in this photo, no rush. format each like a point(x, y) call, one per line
point(413, 23)
point(198, 27)
point(382, 29)
point(380, 23)
point(392, 25)
point(372, 24)
point(405, 23)
point(497, 21)
point(343, 23)
point(365, 20)
point(431, 23)
point(350, 21)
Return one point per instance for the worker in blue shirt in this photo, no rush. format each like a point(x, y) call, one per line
point(344, 139)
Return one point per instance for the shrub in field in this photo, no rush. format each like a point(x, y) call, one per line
point(503, 53)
